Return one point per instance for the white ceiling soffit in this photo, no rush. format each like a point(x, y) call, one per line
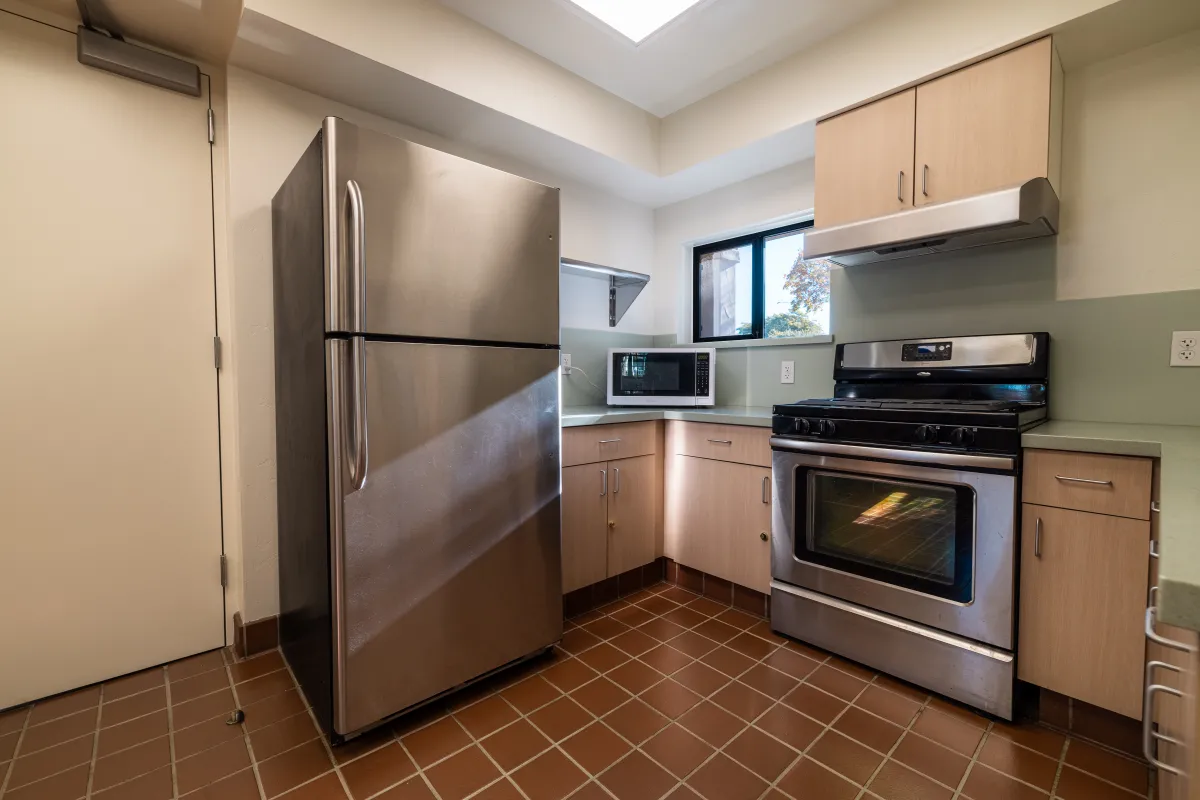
point(283, 53)
point(710, 46)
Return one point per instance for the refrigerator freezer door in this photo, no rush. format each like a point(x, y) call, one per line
point(447, 558)
point(451, 249)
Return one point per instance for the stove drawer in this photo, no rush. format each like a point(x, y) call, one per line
point(737, 443)
point(1103, 484)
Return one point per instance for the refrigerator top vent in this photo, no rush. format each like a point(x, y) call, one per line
point(623, 285)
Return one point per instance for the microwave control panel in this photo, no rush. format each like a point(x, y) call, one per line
point(702, 368)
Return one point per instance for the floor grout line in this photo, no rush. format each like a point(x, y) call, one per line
point(895, 745)
point(96, 744)
point(1062, 761)
point(962, 782)
point(171, 732)
point(12, 764)
point(237, 704)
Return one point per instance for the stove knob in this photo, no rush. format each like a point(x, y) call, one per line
point(926, 433)
point(801, 426)
point(963, 437)
point(828, 428)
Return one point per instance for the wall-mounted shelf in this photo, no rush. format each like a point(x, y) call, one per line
point(623, 286)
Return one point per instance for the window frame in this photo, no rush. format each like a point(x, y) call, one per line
point(757, 242)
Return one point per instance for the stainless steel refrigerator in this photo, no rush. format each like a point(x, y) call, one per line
point(417, 422)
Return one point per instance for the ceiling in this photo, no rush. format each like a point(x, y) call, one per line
point(710, 46)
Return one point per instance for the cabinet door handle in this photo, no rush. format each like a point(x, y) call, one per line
point(766, 495)
point(607, 441)
point(616, 480)
point(900, 186)
point(721, 441)
point(1037, 538)
point(925, 180)
point(1068, 479)
point(603, 482)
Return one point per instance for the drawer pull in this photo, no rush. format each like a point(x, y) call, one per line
point(721, 441)
point(766, 495)
point(608, 441)
point(616, 481)
point(1037, 538)
point(1152, 635)
point(1082, 480)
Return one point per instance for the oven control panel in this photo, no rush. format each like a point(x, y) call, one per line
point(926, 351)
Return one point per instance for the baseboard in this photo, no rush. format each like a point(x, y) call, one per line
point(1090, 722)
point(583, 600)
point(255, 637)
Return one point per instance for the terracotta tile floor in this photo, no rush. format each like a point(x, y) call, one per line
point(723, 711)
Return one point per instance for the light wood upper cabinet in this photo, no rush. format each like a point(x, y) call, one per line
point(632, 508)
point(584, 526)
point(864, 165)
point(988, 126)
point(993, 125)
point(1084, 580)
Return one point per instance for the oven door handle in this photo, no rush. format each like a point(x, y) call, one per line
point(891, 454)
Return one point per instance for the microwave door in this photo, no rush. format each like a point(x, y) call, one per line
point(652, 378)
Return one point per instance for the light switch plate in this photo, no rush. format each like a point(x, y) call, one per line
point(1184, 351)
point(787, 372)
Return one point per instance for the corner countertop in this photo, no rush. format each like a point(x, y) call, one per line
point(1178, 447)
point(756, 416)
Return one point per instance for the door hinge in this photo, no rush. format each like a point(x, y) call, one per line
point(224, 571)
point(212, 127)
point(217, 352)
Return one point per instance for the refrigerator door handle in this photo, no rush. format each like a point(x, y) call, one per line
point(358, 408)
point(358, 247)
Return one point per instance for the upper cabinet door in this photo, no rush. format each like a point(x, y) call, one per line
point(864, 161)
point(986, 127)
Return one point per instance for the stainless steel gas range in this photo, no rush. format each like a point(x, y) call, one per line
point(895, 522)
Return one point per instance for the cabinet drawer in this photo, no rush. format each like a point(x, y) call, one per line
point(591, 443)
point(1116, 485)
point(737, 443)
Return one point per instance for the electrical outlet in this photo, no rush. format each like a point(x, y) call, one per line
point(787, 372)
point(1183, 349)
point(566, 363)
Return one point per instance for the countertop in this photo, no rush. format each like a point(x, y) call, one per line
point(757, 416)
point(1178, 447)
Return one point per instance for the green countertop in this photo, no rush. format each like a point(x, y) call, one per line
point(757, 416)
point(1178, 447)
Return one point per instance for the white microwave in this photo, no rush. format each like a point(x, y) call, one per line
point(680, 376)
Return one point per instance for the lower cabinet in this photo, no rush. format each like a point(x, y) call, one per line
point(608, 519)
point(1083, 587)
point(719, 519)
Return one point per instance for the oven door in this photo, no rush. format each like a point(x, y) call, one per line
point(652, 378)
point(933, 542)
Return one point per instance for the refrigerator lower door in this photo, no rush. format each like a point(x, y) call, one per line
point(447, 557)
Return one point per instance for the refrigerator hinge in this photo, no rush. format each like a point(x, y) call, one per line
point(212, 127)
point(217, 352)
point(224, 571)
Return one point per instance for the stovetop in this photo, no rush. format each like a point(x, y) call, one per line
point(913, 405)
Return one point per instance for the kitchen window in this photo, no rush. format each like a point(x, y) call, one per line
point(759, 287)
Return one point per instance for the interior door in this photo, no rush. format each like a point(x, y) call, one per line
point(632, 502)
point(110, 484)
point(453, 534)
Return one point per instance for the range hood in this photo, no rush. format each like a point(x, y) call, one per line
point(1027, 211)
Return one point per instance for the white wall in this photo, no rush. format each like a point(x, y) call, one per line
point(269, 125)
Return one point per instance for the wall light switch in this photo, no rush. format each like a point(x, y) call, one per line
point(1184, 352)
point(787, 372)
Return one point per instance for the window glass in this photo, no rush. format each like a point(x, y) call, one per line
point(726, 292)
point(797, 291)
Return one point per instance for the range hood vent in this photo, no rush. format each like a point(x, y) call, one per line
point(1027, 211)
point(623, 285)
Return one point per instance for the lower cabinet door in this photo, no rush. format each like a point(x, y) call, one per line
point(750, 543)
point(1083, 601)
point(632, 503)
point(584, 525)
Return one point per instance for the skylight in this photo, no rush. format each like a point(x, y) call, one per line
point(635, 19)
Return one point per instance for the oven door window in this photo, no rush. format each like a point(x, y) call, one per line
point(916, 535)
point(654, 374)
